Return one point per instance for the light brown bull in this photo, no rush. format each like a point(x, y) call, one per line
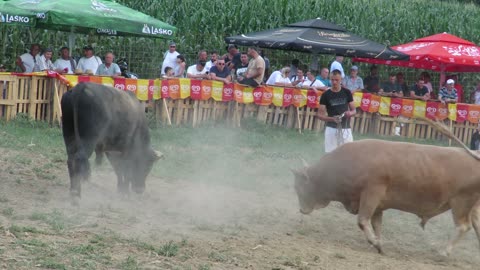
point(370, 176)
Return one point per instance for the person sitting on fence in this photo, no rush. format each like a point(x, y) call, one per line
point(255, 70)
point(65, 64)
point(298, 79)
point(197, 71)
point(109, 68)
point(475, 95)
point(372, 81)
point(89, 63)
point(2, 68)
point(336, 108)
point(26, 62)
point(220, 72)
point(403, 84)
point(475, 142)
point(448, 94)
point(179, 71)
point(313, 83)
point(323, 77)
point(391, 88)
point(283, 79)
point(353, 82)
point(242, 69)
point(168, 73)
point(44, 61)
point(419, 91)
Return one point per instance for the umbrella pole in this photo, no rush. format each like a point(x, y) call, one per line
point(71, 42)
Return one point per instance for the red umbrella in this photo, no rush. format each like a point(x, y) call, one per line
point(440, 52)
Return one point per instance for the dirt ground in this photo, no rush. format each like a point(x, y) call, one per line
point(202, 225)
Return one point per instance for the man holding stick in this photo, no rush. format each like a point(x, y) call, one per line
point(336, 108)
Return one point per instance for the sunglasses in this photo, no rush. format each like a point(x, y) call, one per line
point(172, 46)
point(221, 64)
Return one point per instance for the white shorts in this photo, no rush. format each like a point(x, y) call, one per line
point(331, 138)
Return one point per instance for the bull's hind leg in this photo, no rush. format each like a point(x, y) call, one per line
point(461, 209)
point(367, 213)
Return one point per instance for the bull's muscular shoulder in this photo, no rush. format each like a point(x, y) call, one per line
point(107, 95)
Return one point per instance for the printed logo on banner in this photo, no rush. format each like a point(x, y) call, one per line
point(408, 108)
point(165, 89)
point(174, 89)
point(238, 93)
point(443, 110)
point(365, 101)
point(207, 89)
point(196, 89)
point(462, 113)
point(287, 97)
point(120, 86)
point(131, 87)
point(257, 94)
point(431, 110)
point(228, 90)
point(396, 107)
point(267, 95)
point(142, 88)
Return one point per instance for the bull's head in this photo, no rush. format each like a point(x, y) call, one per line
point(141, 167)
point(307, 193)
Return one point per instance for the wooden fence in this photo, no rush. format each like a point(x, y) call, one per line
point(39, 98)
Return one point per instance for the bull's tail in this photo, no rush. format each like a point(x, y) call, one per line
point(442, 128)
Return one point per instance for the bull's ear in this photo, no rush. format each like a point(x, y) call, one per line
point(156, 155)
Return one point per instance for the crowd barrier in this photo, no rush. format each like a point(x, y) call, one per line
point(191, 102)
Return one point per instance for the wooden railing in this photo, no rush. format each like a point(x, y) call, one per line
point(39, 98)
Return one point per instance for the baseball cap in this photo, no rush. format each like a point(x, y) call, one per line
point(172, 43)
point(230, 46)
point(354, 68)
point(88, 48)
point(450, 81)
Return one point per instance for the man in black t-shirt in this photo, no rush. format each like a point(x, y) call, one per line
point(336, 108)
point(420, 91)
point(220, 72)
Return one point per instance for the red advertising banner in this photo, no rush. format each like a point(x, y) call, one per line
point(432, 109)
point(365, 103)
point(196, 89)
point(287, 97)
point(395, 107)
point(462, 112)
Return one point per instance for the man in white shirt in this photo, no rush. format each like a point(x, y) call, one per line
point(26, 62)
point(89, 62)
point(213, 59)
point(337, 64)
point(197, 71)
point(65, 64)
point(44, 61)
point(170, 58)
point(313, 83)
point(109, 68)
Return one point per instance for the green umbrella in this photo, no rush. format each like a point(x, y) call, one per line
point(103, 17)
point(10, 14)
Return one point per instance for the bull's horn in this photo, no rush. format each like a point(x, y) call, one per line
point(158, 155)
point(305, 163)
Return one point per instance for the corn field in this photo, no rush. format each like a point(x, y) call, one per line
point(204, 24)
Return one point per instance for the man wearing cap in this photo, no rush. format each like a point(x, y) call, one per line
point(353, 82)
point(26, 62)
point(170, 58)
point(448, 94)
point(197, 71)
point(337, 65)
point(255, 70)
point(89, 63)
point(109, 68)
point(65, 64)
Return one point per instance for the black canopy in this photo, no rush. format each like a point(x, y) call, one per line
point(319, 37)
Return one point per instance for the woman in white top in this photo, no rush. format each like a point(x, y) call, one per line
point(44, 61)
point(283, 79)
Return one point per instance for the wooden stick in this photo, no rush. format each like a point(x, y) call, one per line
point(166, 110)
point(298, 120)
point(237, 116)
point(450, 140)
point(56, 103)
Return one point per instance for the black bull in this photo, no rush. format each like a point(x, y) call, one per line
point(104, 119)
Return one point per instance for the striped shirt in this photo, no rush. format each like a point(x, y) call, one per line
point(445, 94)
